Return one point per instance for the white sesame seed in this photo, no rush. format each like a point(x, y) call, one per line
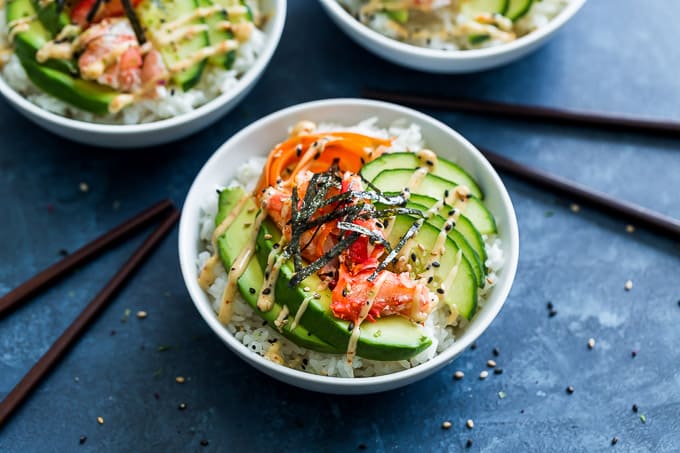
point(484, 374)
point(470, 424)
point(630, 228)
point(446, 424)
point(84, 187)
point(100, 420)
point(458, 375)
point(141, 314)
point(491, 363)
point(180, 379)
point(591, 343)
point(574, 207)
point(629, 285)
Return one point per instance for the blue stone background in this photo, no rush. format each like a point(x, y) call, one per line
point(615, 56)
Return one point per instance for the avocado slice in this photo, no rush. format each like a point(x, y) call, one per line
point(388, 338)
point(230, 244)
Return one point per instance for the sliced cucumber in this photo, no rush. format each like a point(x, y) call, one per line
point(518, 8)
point(153, 14)
point(461, 296)
point(398, 15)
point(435, 187)
point(472, 8)
point(442, 168)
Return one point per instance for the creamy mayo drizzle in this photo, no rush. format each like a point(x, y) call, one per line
point(207, 276)
point(206, 52)
point(282, 319)
point(356, 331)
point(275, 260)
point(180, 33)
point(237, 268)
point(305, 303)
point(448, 283)
point(18, 26)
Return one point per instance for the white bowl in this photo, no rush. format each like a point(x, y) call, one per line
point(257, 140)
point(163, 131)
point(445, 61)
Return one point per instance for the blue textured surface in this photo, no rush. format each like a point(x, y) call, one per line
point(620, 58)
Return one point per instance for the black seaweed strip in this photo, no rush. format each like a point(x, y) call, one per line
point(323, 260)
point(134, 21)
point(413, 229)
point(347, 226)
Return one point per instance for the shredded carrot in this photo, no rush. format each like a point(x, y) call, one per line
point(316, 153)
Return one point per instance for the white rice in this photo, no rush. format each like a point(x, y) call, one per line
point(450, 31)
point(247, 326)
point(168, 103)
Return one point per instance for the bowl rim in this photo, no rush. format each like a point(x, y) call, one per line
point(210, 107)
point(188, 263)
point(334, 7)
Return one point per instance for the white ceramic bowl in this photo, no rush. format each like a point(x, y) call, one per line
point(258, 139)
point(163, 131)
point(442, 61)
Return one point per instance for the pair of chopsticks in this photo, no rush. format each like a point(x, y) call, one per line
point(635, 214)
point(164, 211)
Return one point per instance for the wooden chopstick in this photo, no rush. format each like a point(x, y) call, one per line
point(633, 213)
point(533, 113)
point(16, 396)
point(30, 287)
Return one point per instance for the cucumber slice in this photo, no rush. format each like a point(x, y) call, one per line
point(518, 8)
point(472, 8)
point(434, 187)
point(153, 14)
point(398, 15)
point(461, 296)
point(442, 168)
point(230, 244)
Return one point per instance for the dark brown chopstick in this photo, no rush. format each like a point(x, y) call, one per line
point(534, 113)
point(633, 213)
point(30, 287)
point(15, 397)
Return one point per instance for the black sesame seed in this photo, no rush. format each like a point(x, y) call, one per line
point(298, 150)
point(452, 212)
point(362, 447)
point(350, 326)
point(267, 291)
point(446, 193)
point(552, 313)
point(440, 290)
point(305, 361)
point(363, 161)
point(550, 306)
point(473, 346)
point(429, 163)
point(468, 195)
point(205, 443)
point(570, 390)
point(413, 257)
point(429, 280)
point(317, 155)
point(615, 440)
point(344, 292)
point(252, 290)
point(496, 352)
point(63, 252)
point(435, 264)
point(498, 371)
point(82, 440)
point(633, 353)
point(448, 227)
point(635, 408)
point(276, 245)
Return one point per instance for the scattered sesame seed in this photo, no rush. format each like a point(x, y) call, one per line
point(633, 353)
point(630, 229)
point(484, 374)
point(100, 420)
point(141, 314)
point(182, 406)
point(205, 443)
point(470, 424)
point(552, 313)
point(502, 395)
point(76, 379)
point(628, 285)
point(84, 187)
point(180, 379)
point(82, 440)
point(266, 291)
point(570, 390)
point(267, 236)
point(252, 290)
point(550, 306)
point(446, 425)
point(615, 440)
point(591, 343)
point(643, 419)
point(574, 207)
point(635, 408)
point(498, 371)
point(306, 289)
point(473, 346)
point(491, 363)
point(458, 375)
point(496, 352)
point(468, 443)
